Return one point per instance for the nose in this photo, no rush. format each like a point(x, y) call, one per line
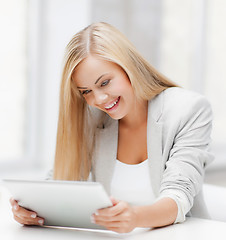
point(101, 98)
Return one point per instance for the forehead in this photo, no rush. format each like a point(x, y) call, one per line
point(91, 68)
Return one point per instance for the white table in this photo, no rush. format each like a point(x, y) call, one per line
point(192, 229)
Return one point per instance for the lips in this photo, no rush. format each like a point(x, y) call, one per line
point(112, 104)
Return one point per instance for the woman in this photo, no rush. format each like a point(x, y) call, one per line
point(125, 125)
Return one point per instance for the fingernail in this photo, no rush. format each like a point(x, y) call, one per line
point(40, 222)
point(96, 213)
point(33, 215)
point(92, 219)
point(15, 207)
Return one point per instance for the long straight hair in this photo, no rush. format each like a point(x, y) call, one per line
point(76, 125)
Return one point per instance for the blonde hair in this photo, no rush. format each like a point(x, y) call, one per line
point(76, 130)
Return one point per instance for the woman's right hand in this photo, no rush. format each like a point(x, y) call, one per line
point(24, 216)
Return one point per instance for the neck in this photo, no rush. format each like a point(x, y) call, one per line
point(137, 118)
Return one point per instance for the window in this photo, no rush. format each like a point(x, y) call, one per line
point(34, 34)
point(193, 54)
point(13, 78)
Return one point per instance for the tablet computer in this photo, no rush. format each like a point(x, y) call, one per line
point(61, 203)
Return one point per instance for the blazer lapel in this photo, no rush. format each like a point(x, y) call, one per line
point(154, 143)
point(107, 154)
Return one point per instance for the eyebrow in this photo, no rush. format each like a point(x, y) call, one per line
point(98, 79)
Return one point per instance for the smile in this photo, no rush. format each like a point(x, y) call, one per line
point(111, 106)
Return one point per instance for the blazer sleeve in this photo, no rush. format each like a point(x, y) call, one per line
point(184, 170)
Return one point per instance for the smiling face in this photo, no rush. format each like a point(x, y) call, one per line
point(106, 86)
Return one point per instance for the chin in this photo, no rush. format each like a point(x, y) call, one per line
point(116, 117)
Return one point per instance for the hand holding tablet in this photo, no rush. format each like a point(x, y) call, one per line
point(24, 216)
point(60, 203)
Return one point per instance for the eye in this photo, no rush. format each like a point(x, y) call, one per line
point(85, 92)
point(104, 83)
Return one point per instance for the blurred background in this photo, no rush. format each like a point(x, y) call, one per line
point(183, 39)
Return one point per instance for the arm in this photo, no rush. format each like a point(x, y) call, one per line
point(185, 168)
point(161, 213)
point(124, 218)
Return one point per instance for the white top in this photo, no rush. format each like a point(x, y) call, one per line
point(131, 183)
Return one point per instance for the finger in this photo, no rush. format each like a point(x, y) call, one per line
point(104, 218)
point(37, 221)
point(23, 213)
point(24, 216)
point(11, 200)
point(14, 203)
point(27, 217)
point(17, 208)
point(113, 211)
point(108, 225)
point(114, 201)
point(119, 228)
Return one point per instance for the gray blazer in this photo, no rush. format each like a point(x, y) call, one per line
point(178, 139)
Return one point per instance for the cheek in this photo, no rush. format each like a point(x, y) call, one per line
point(125, 82)
point(122, 87)
point(126, 89)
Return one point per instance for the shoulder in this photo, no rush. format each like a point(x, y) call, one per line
point(178, 104)
point(178, 100)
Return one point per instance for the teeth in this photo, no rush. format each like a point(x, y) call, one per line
point(112, 105)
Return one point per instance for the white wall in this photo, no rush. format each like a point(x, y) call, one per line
point(60, 21)
point(139, 20)
point(51, 24)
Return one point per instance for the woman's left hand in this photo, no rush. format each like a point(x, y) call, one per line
point(121, 217)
